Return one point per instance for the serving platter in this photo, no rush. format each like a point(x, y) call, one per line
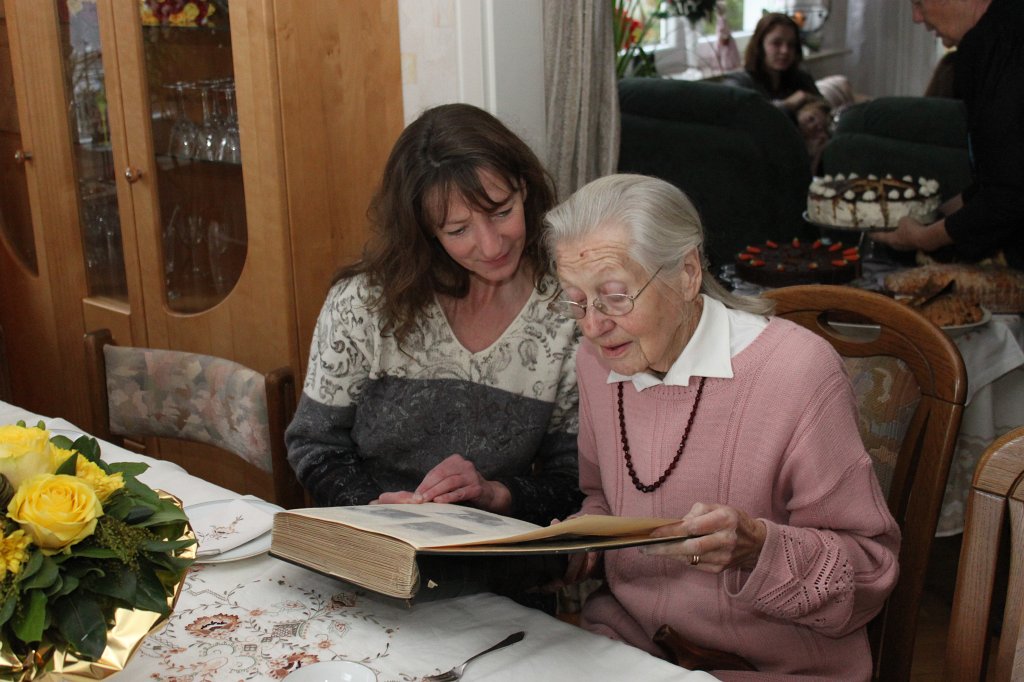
point(870, 331)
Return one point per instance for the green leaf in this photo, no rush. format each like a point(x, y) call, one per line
point(119, 506)
point(55, 588)
point(120, 583)
point(63, 442)
point(175, 565)
point(82, 570)
point(7, 609)
point(70, 584)
point(69, 466)
point(89, 447)
point(34, 563)
point(29, 622)
point(44, 577)
point(129, 468)
point(80, 620)
point(168, 514)
point(150, 594)
point(95, 553)
point(141, 491)
point(165, 545)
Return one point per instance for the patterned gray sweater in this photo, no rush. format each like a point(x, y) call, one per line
point(374, 418)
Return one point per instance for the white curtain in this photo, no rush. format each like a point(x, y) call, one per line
point(580, 89)
point(890, 54)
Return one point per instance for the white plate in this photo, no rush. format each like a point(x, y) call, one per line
point(870, 331)
point(208, 514)
point(333, 671)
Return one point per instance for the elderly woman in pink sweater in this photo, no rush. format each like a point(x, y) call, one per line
point(697, 404)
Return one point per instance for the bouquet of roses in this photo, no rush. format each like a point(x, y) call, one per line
point(82, 542)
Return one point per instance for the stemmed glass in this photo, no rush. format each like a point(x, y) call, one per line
point(184, 132)
point(210, 131)
point(230, 148)
point(220, 241)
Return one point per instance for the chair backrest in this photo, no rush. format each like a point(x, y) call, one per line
point(911, 385)
point(995, 504)
point(919, 136)
point(144, 393)
point(740, 159)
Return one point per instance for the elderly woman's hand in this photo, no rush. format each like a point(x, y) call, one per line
point(456, 479)
point(720, 537)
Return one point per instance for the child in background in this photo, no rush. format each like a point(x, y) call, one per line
point(813, 118)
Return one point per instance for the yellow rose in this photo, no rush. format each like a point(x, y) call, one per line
point(58, 456)
point(103, 484)
point(24, 452)
point(13, 552)
point(55, 511)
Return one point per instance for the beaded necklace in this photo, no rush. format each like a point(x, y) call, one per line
point(644, 488)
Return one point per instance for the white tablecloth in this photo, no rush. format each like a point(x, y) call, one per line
point(994, 357)
point(260, 618)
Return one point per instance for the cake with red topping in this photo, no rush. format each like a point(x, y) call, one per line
point(849, 201)
point(773, 264)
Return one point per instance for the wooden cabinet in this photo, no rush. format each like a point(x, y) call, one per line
point(188, 186)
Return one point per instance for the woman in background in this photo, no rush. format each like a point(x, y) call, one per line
point(771, 64)
point(436, 373)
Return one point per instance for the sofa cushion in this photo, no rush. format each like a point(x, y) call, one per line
point(919, 136)
point(739, 159)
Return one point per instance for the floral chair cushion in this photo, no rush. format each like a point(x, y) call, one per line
point(887, 397)
point(171, 394)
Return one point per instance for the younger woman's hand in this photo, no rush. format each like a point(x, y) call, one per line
point(398, 497)
point(456, 479)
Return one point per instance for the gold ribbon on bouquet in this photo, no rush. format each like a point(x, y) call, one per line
point(51, 663)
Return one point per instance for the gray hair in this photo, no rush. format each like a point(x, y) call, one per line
point(662, 222)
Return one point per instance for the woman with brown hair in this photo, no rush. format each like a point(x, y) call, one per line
point(435, 373)
point(771, 64)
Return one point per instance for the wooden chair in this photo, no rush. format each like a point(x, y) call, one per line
point(146, 393)
point(911, 384)
point(994, 505)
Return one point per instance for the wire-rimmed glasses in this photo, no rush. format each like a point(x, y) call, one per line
point(613, 305)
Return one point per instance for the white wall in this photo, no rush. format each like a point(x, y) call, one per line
point(483, 52)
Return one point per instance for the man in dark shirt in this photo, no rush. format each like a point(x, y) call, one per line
point(988, 217)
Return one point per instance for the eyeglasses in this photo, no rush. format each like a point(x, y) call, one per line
point(612, 305)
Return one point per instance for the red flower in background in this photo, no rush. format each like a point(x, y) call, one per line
point(177, 12)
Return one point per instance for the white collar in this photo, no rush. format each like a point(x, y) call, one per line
point(720, 335)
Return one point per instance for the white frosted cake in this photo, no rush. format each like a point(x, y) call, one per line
point(860, 203)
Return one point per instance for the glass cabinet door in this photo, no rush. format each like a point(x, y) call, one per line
point(94, 169)
point(15, 216)
point(190, 77)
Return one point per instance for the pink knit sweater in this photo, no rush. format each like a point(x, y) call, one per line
point(779, 441)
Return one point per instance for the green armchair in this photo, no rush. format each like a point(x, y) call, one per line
point(740, 160)
point(919, 136)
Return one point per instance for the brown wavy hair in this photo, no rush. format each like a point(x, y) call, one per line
point(753, 56)
point(442, 152)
